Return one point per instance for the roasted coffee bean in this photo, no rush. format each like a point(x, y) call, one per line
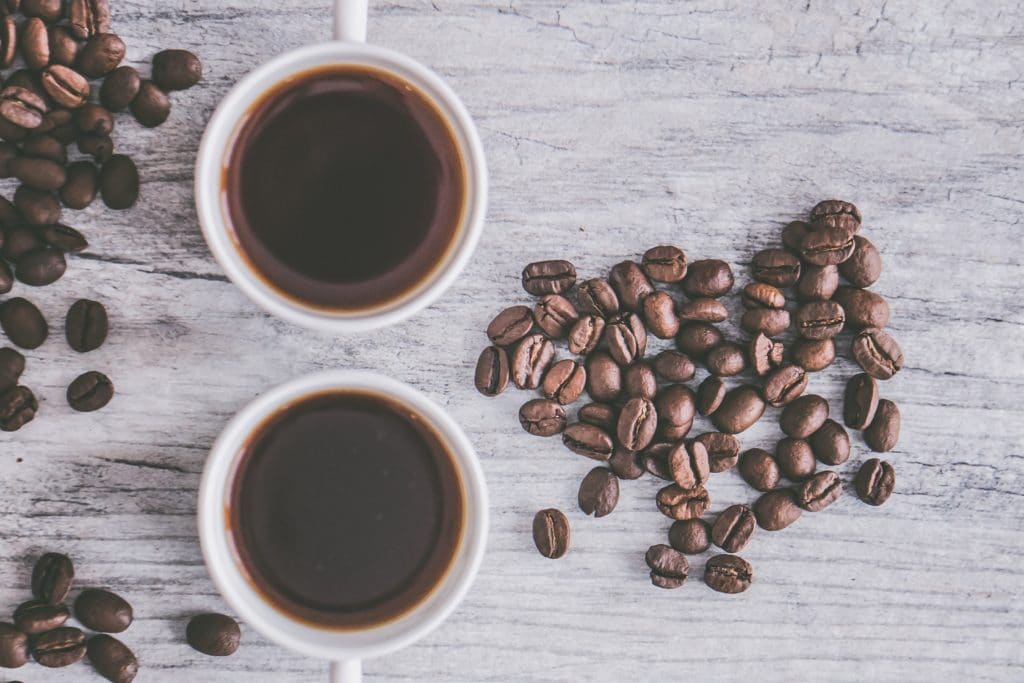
point(8, 41)
point(710, 395)
point(60, 647)
point(864, 267)
point(64, 238)
point(784, 384)
point(863, 308)
point(530, 360)
point(81, 186)
point(66, 87)
point(793, 235)
point(88, 17)
point(630, 284)
point(510, 325)
point(151, 107)
point(877, 353)
point(539, 278)
point(12, 364)
point(604, 377)
point(676, 502)
point(45, 147)
point(112, 659)
point(776, 267)
point(723, 450)
point(836, 212)
point(47, 10)
point(103, 611)
point(41, 267)
point(23, 323)
point(597, 297)
point(817, 283)
point(768, 321)
point(176, 69)
point(20, 241)
point(90, 391)
point(728, 574)
point(638, 420)
point(21, 107)
point(795, 458)
point(101, 55)
point(42, 174)
point(564, 382)
point(94, 119)
point(660, 315)
point(764, 354)
point(697, 338)
point(726, 359)
point(762, 295)
point(119, 182)
point(601, 415)
point(120, 88)
point(626, 337)
point(6, 277)
point(690, 536)
point(599, 492)
point(218, 635)
point(709, 278)
point(759, 469)
point(776, 510)
point(63, 46)
point(733, 528)
point(674, 366)
point(819, 319)
point(814, 355)
point(740, 409)
point(860, 401)
point(542, 417)
point(820, 491)
point(875, 481)
point(491, 375)
point(665, 264)
point(831, 443)
point(676, 409)
point(37, 207)
point(688, 464)
point(827, 246)
point(586, 334)
point(640, 381)
point(704, 310)
point(35, 43)
point(587, 440)
point(555, 315)
point(13, 647)
point(55, 122)
point(36, 616)
point(669, 567)
point(654, 459)
point(803, 416)
point(626, 464)
point(883, 433)
point(99, 147)
point(18, 407)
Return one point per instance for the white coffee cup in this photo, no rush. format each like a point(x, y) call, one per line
point(349, 48)
point(345, 649)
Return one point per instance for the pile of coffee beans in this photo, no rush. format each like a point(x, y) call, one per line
point(643, 409)
point(59, 52)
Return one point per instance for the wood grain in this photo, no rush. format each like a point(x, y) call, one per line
point(609, 127)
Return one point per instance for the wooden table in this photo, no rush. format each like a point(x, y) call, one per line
point(609, 127)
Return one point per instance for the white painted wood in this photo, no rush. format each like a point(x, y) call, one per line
point(609, 127)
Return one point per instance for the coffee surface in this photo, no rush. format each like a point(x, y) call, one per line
point(345, 188)
point(346, 510)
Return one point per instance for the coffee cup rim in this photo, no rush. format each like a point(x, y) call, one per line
point(215, 146)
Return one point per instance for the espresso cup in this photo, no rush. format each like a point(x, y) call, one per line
point(212, 191)
point(345, 648)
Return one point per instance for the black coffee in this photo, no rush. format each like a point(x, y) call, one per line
point(346, 510)
point(345, 188)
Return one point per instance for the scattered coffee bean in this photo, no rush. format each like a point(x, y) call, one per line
point(52, 577)
point(704, 310)
point(94, 119)
point(119, 182)
point(784, 384)
point(776, 510)
point(102, 54)
point(726, 359)
point(88, 17)
point(60, 647)
point(728, 574)
point(864, 267)
point(541, 277)
point(81, 186)
point(63, 46)
point(660, 315)
point(638, 421)
point(99, 147)
point(37, 207)
point(90, 391)
point(733, 528)
point(555, 315)
point(35, 43)
point(697, 338)
point(600, 415)
point(709, 278)
point(599, 492)
point(640, 381)
point(776, 267)
point(690, 536)
point(723, 450)
point(762, 295)
point(112, 659)
point(530, 360)
point(176, 69)
point(831, 443)
point(827, 246)
point(626, 464)
point(676, 502)
point(883, 433)
point(665, 264)
point(654, 459)
point(564, 382)
point(764, 354)
point(860, 401)
point(630, 284)
point(218, 635)
point(21, 107)
point(676, 408)
point(836, 212)
point(604, 376)
point(818, 492)
point(13, 647)
point(41, 267)
point(542, 417)
point(23, 323)
point(491, 375)
point(510, 325)
point(863, 308)
point(20, 241)
point(875, 481)
point(814, 355)
point(45, 147)
point(795, 458)
point(66, 87)
point(674, 366)
point(597, 297)
point(586, 334)
point(710, 395)
point(550, 535)
point(18, 407)
point(817, 283)
point(120, 88)
point(688, 464)
point(36, 616)
point(759, 469)
point(12, 364)
point(793, 235)
point(877, 353)
point(739, 410)
point(769, 321)
point(103, 611)
point(819, 319)
point(587, 440)
point(669, 567)
point(803, 416)
point(626, 337)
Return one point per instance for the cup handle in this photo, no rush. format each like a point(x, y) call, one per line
point(350, 20)
point(349, 671)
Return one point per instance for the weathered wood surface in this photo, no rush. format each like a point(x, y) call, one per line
point(609, 127)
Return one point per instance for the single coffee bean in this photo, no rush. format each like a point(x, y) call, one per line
point(640, 381)
point(510, 325)
point(776, 267)
point(41, 267)
point(36, 616)
point(176, 69)
point(626, 464)
point(587, 440)
point(530, 360)
point(710, 395)
point(784, 384)
point(13, 647)
point(555, 315)
point(733, 528)
point(817, 283)
point(630, 284)
point(119, 182)
point(674, 366)
point(669, 567)
point(820, 491)
point(864, 267)
point(45, 147)
point(795, 458)
point(94, 119)
point(47, 10)
point(604, 377)
point(762, 295)
point(539, 278)
point(88, 17)
point(776, 510)
point(597, 297)
point(638, 421)
point(665, 264)
point(64, 238)
point(626, 337)
point(218, 635)
point(690, 536)
point(586, 334)
point(831, 443)
point(814, 355)
point(676, 408)
point(740, 409)
point(793, 235)
point(768, 321)
point(37, 207)
point(18, 407)
point(63, 46)
point(759, 469)
point(819, 319)
point(119, 88)
point(112, 659)
point(599, 492)
point(763, 354)
point(863, 308)
point(66, 87)
point(836, 212)
point(23, 323)
point(877, 353)
point(860, 401)
point(803, 416)
point(12, 364)
point(601, 415)
point(21, 107)
point(654, 459)
point(723, 450)
point(491, 376)
point(728, 574)
point(35, 43)
point(704, 310)
point(726, 359)
point(875, 481)
point(90, 391)
point(883, 433)
point(827, 246)
point(6, 277)
point(676, 502)
point(19, 242)
point(81, 186)
point(8, 42)
point(709, 278)
point(542, 417)
point(697, 338)
point(688, 464)
point(101, 54)
point(564, 382)
point(660, 315)
point(99, 147)
point(60, 647)
point(101, 610)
